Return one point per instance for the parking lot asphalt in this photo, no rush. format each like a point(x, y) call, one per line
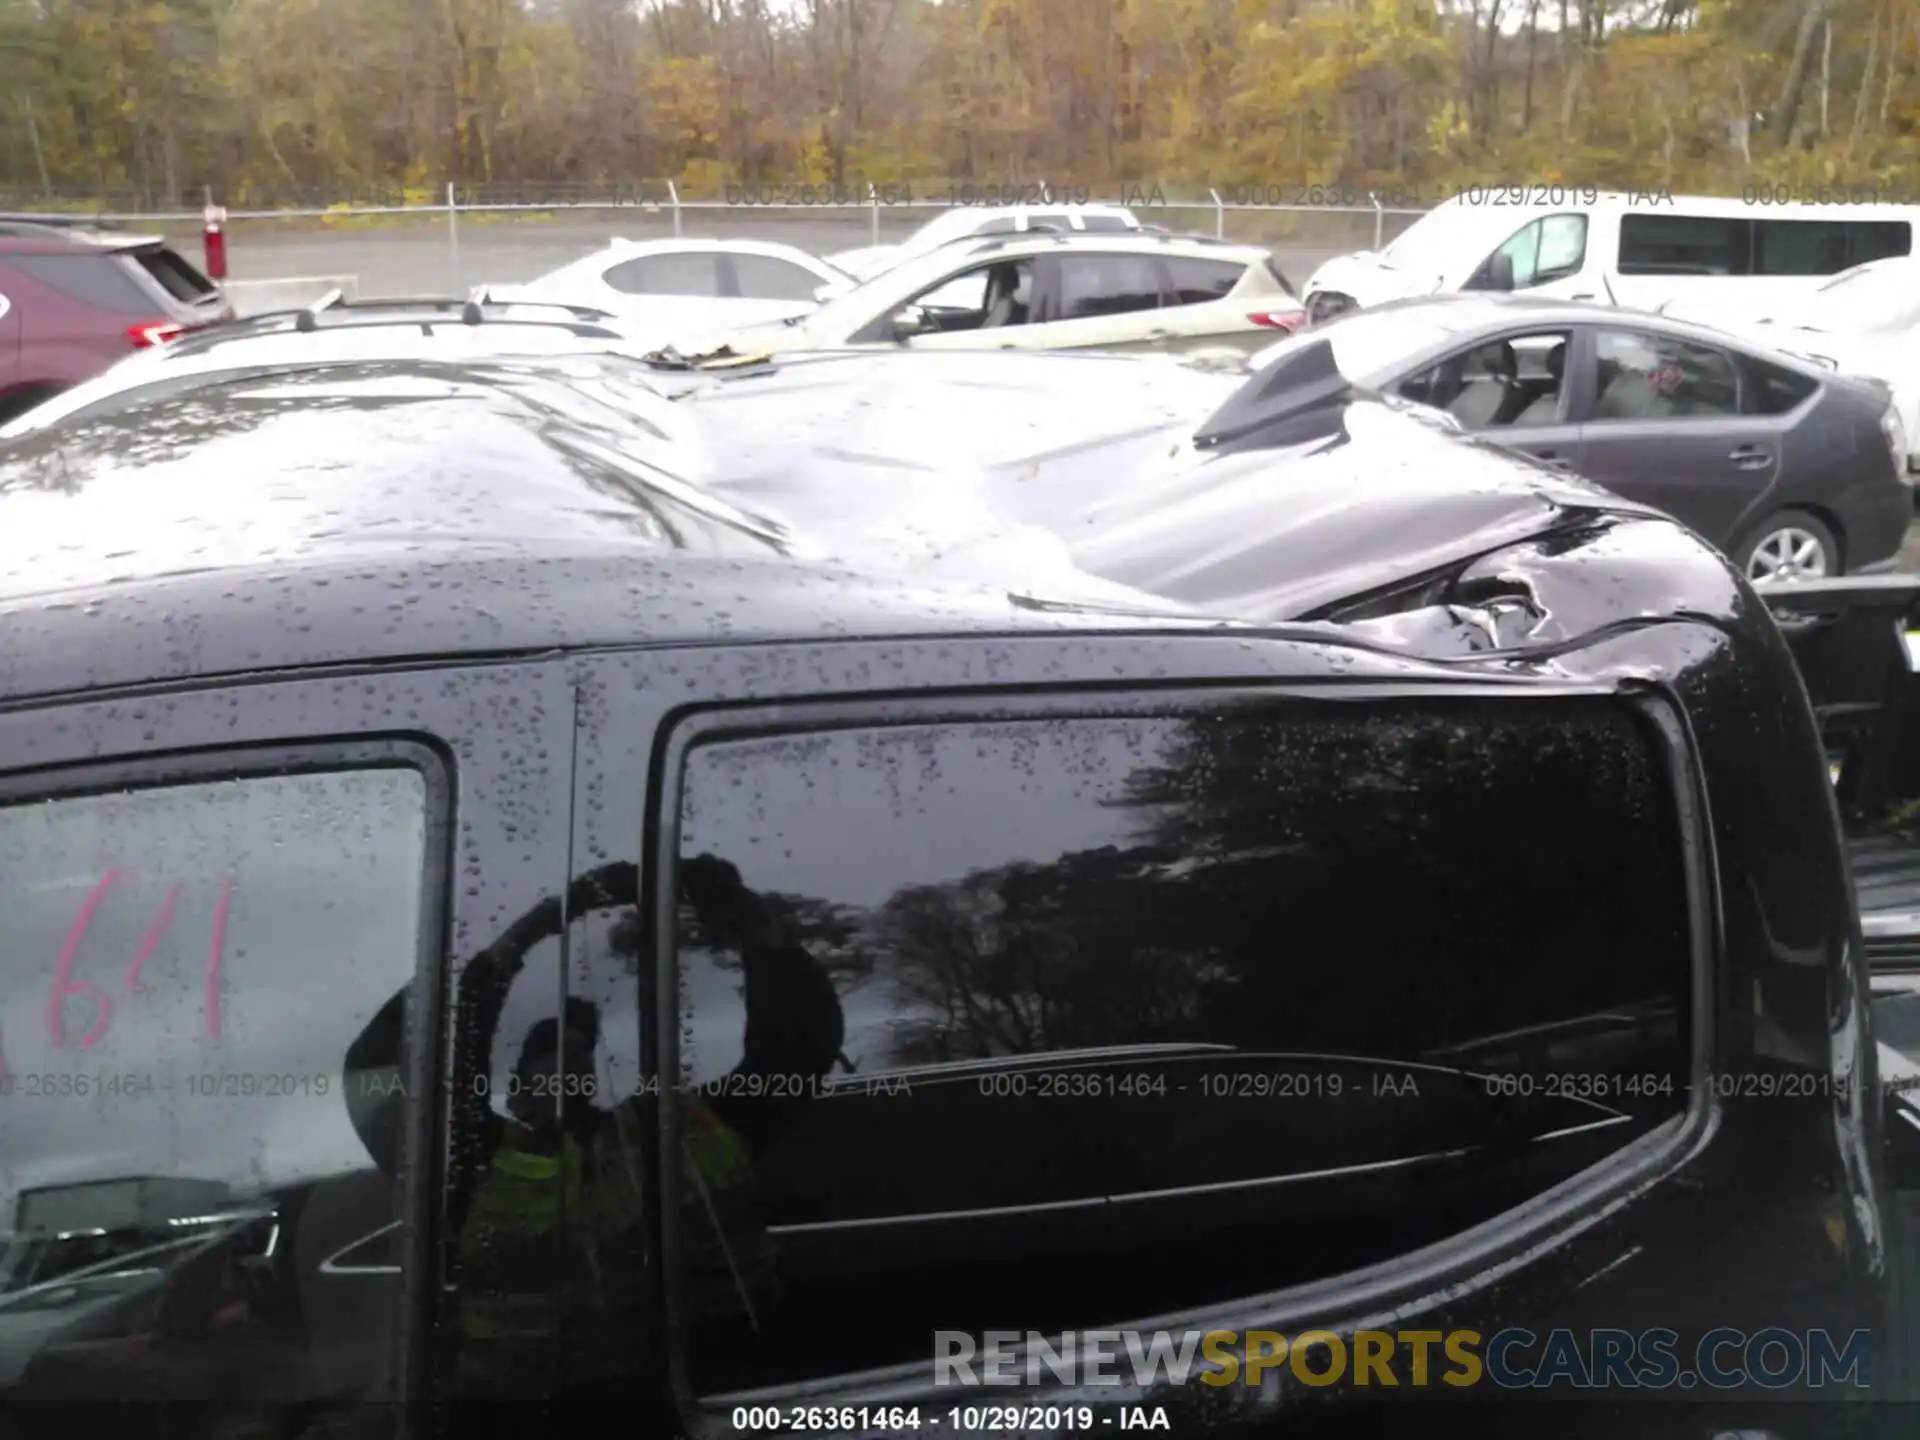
point(424, 256)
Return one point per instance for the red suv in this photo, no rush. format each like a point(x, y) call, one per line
point(71, 306)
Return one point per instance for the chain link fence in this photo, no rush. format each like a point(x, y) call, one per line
point(395, 242)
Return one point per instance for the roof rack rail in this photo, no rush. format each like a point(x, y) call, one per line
point(401, 302)
point(309, 319)
point(1092, 238)
point(470, 311)
point(1038, 233)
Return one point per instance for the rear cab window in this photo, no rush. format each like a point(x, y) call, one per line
point(1122, 996)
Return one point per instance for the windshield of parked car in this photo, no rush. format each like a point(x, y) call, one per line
point(843, 315)
point(1452, 240)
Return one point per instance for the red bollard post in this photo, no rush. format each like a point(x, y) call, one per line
point(213, 240)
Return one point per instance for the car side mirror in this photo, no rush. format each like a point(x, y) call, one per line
point(909, 322)
point(833, 289)
point(1500, 271)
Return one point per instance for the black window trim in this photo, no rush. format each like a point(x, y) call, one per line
point(426, 1123)
point(1463, 1262)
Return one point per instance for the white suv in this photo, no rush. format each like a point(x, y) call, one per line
point(967, 221)
point(1046, 292)
point(335, 329)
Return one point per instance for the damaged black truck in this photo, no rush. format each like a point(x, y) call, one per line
point(1454, 949)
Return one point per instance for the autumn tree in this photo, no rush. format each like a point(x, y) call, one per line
point(148, 102)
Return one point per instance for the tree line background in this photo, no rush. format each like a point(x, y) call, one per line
point(142, 103)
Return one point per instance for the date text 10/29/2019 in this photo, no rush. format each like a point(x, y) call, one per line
point(956, 1419)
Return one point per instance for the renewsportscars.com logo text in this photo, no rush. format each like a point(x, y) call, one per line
point(1512, 1359)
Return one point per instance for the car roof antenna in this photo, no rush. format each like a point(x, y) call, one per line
point(1307, 380)
point(1612, 299)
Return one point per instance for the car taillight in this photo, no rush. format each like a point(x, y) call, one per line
point(1287, 320)
point(157, 333)
point(1896, 433)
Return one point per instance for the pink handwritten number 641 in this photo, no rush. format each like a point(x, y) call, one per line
point(65, 986)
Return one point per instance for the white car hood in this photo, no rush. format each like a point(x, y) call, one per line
point(1742, 316)
point(767, 339)
point(1371, 279)
point(1779, 329)
point(1876, 357)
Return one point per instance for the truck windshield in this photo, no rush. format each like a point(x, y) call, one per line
point(1451, 240)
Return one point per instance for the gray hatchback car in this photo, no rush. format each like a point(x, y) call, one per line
point(1790, 469)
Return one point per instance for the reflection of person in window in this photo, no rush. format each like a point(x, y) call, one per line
point(557, 1147)
point(794, 1023)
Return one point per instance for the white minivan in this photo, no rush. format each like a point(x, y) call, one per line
point(1640, 251)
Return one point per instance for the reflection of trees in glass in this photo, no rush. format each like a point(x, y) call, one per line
point(1040, 957)
point(835, 934)
point(1339, 884)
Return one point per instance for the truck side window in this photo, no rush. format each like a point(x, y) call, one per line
point(1112, 1005)
point(183, 1171)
